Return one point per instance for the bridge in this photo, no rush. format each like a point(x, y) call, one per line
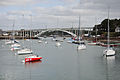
point(71, 31)
point(39, 32)
point(52, 30)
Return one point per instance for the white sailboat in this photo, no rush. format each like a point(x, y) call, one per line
point(24, 51)
point(14, 43)
point(12, 40)
point(109, 51)
point(81, 44)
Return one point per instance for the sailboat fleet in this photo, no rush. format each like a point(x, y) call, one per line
point(15, 46)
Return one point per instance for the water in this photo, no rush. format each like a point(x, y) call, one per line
point(59, 63)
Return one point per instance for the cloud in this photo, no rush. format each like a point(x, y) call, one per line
point(63, 12)
point(20, 2)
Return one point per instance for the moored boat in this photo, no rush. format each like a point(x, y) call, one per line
point(15, 45)
point(109, 52)
point(24, 51)
point(32, 58)
point(15, 48)
point(111, 45)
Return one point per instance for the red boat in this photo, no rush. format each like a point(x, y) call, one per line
point(111, 45)
point(32, 58)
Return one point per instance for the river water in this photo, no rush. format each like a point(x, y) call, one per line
point(59, 63)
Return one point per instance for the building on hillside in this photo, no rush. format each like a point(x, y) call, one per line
point(117, 29)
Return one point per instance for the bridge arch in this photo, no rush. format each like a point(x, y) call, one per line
point(51, 30)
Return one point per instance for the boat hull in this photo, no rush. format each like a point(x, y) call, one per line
point(24, 52)
point(109, 52)
point(32, 59)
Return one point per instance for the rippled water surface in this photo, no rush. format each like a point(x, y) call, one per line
point(59, 63)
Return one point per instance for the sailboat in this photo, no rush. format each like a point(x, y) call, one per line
point(81, 44)
point(12, 40)
point(24, 51)
point(14, 44)
point(109, 51)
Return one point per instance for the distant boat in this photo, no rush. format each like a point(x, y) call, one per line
point(92, 43)
point(32, 58)
point(15, 45)
point(46, 42)
point(111, 45)
point(81, 46)
point(39, 41)
point(9, 42)
point(15, 48)
point(58, 44)
point(109, 51)
point(70, 41)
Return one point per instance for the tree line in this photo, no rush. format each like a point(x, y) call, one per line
point(102, 28)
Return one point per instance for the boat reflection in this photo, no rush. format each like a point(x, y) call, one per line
point(110, 58)
point(32, 64)
point(110, 63)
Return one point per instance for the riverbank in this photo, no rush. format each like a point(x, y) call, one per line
point(104, 40)
point(17, 37)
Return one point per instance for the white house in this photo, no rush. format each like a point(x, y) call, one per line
point(117, 29)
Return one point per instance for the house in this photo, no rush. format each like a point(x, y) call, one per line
point(117, 29)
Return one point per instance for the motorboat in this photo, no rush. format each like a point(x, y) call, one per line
point(32, 58)
point(24, 51)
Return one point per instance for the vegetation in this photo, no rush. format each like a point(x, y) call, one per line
point(103, 27)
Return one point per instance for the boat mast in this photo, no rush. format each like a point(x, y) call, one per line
point(108, 42)
point(23, 26)
point(13, 34)
point(79, 29)
point(95, 30)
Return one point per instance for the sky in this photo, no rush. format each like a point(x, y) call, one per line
point(39, 14)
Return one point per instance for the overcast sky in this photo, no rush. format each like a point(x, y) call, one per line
point(36, 14)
